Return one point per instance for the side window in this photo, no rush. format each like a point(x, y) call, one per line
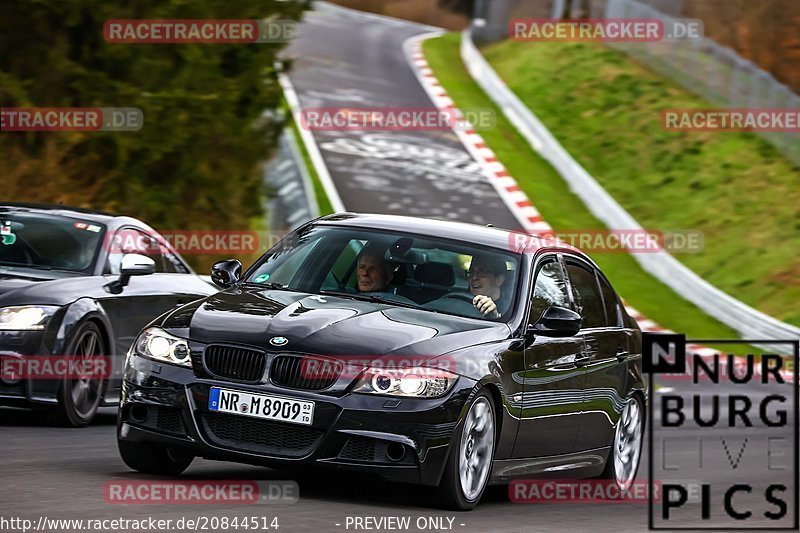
point(550, 289)
point(611, 301)
point(587, 296)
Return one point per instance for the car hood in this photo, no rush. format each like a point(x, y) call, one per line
point(19, 288)
point(327, 325)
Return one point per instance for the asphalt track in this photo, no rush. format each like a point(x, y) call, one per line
point(61, 473)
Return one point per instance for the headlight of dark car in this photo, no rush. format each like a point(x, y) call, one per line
point(25, 317)
point(157, 344)
point(415, 382)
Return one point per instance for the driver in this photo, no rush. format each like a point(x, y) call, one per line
point(486, 276)
point(374, 272)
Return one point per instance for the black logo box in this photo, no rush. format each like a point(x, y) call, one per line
point(674, 345)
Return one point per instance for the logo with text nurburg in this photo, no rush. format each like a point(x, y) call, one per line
point(733, 434)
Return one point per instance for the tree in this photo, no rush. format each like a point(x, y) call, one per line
point(195, 163)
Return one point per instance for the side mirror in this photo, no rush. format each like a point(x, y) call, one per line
point(131, 265)
point(556, 322)
point(226, 273)
point(137, 265)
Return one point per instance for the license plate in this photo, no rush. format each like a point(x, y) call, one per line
point(261, 406)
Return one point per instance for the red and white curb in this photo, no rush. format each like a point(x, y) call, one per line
point(507, 187)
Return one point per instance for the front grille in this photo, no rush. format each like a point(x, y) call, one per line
point(241, 364)
point(259, 436)
point(307, 372)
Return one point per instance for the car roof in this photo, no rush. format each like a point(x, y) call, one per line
point(504, 239)
point(62, 210)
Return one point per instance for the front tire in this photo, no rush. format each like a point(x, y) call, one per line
point(151, 459)
point(469, 463)
point(626, 449)
point(79, 398)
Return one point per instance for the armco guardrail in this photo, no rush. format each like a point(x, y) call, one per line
point(749, 322)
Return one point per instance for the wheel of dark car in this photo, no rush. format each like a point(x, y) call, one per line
point(623, 460)
point(152, 459)
point(469, 463)
point(79, 397)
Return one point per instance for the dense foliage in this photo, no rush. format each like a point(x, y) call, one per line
point(195, 163)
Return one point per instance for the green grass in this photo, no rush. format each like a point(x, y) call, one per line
point(562, 209)
point(323, 203)
point(605, 108)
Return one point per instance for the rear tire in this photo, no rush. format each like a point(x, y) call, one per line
point(78, 399)
point(469, 463)
point(152, 459)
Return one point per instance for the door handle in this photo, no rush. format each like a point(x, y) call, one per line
point(582, 360)
point(622, 354)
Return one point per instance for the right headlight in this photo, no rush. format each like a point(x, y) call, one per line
point(157, 344)
point(414, 382)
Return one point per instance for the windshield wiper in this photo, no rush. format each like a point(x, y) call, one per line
point(273, 286)
point(370, 297)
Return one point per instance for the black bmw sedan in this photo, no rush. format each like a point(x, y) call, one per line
point(423, 351)
point(66, 294)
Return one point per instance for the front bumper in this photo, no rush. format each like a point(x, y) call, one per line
point(401, 439)
point(25, 392)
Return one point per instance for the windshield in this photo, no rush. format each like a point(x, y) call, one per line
point(407, 270)
point(35, 240)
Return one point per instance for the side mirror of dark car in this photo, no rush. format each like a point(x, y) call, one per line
point(131, 265)
point(226, 273)
point(556, 322)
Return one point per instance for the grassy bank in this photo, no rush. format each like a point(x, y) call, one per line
point(562, 209)
point(605, 109)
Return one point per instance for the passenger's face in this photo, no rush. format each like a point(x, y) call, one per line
point(372, 273)
point(482, 281)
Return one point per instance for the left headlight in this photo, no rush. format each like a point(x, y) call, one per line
point(25, 317)
point(415, 382)
point(157, 344)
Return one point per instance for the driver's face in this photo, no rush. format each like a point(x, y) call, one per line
point(482, 281)
point(372, 273)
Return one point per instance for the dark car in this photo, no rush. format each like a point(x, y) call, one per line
point(292, 364)
point(66, 291)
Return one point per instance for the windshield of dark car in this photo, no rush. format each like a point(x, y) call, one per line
point(424, 272)
point(42, 241)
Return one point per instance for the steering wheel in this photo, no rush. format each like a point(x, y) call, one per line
point(458, 296)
